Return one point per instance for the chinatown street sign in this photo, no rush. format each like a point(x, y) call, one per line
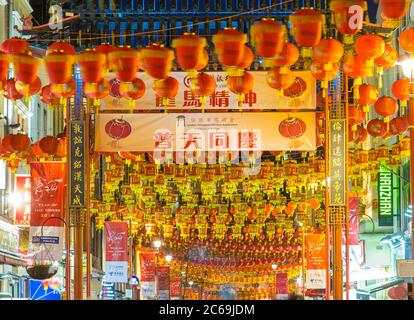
point(77, 152)
point(337, 162)
point(385, 197)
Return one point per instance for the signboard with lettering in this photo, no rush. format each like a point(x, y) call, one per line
point(77, 164)
point(337, 162)
point(116, 266)
point(385, 197)
point(21, 200)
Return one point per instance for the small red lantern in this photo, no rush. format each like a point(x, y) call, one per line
point(356, 115)
point(25, 67)
point(106, 49)
point(47, 97)
point(126, 62)
point(59, 67)
point(156, 61)
point(229, 46)
point(166, 89)
point(96, 91)
point(6, 143)
point(287, 57)
point(345, 18)
point(388, 58)
point(61, 47)
point(49, 145)
point(14, 46)
point(324, 72)
point(292, 128)
point(92, 66)
point(401, 90)
point(386, 106)
point(315, 204)
point(328, 51)
point(37, 151)
point(267, 37)
point(369, 47)
point(280, 78)
point(394, 9)
point(407, 40)
point(248, 58)
point(399, 125)
point(367, 95)
point(133, 90)
point(306, 27)
point(241, 85)
point(20, 142)
point(376, 128)
point(189, 49)
point(10, 91)
point(362, 134)
point(66, 90)
point(203, 85)
point(29, 89)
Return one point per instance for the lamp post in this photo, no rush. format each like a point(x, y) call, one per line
point(168, 259)
point(157, 246)
point(407, 65)
point(274, 268)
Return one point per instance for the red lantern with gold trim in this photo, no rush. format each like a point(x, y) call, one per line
point(61, 47)
point(126, 63)
point(362, 134)
point(369, 47)
point(241, 84)
point(355, 66)
point(156, 61)
point(66, 90)
point(49, 145)
point(132, 90)
point(401, 90)
point(20, 142)
point(367, 95)
point(386, 106)
point(406, 40)
point(166, 89)
point(280, 78)
point(28, 89)
point(307, 27)
point(399, 125)
point(189, 49)
point(92, 66)
point(356, 114)
point(59, 67)
point(247, 60)
point(26, 67)
point(267, 37)
point(388, 58)
point(47, 97)
point(96, 91)
point(106, 49)
point(229, 46)
point(376, 128)
point(14, 46)
point(203, 85)
point(287, 57)
point(328, 51)
point(394, 9)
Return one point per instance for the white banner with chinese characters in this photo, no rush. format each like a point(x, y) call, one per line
point(300, 96)
point(215, 132)
point(337, 158)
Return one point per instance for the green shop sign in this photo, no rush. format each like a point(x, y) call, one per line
point(385, 197)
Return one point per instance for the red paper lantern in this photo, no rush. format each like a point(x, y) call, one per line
point(297, 88)
point(356, 114)
point(37, 151)
point(369, 46)
point(47, 97)
point(394, 9)
point(14, 46)
point(287, 57)
point(49, 145)
point(328, 51)
point(306, 27)
point(399, 125)
point(407, 40)
point(59, 67)
point(106, 49)
point(132, 90)
point(61, 150)
point(96, 91)
point(28, 89)
point(241, 84)
point(20, 142)
point(61, 47)
point(388, 58)
point(229, 46)
point(315, 204)
point(156, 61)
point(401, 89)
point(248, 58)
point(362, 134)
point(64, 90)
point(376, 128)
point(125, 62)
point(166, 88)
point(6, 143)
point(118, 129)
point(368, 94)
point(345, 17)
point(324, 72)
point(386, 106)
point(292, 128)
point(189, 49)
point(355, 66)
point(25, 67)
point(92, 65)
point(10, 91)
point(4, 66)
point(280, 78)
point(267, 37)
point(203, 85)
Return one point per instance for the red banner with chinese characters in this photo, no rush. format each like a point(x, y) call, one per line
point(353, 206)
point(47, 193)
point(21, 200)
point(147, 263)
point(282, 286)
point(163, 277)
point(116, 249)
point(315, 261)
point(175, 287)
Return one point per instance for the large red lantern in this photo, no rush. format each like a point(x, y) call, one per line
point(156, 61)
point(324, 73)
point(267, 37)
point(202, 86)
point(348, 21)
point(367, 95)
point(47, 97)
point(292, 128)
point(37, 151)
point(407, 40)
point(362, 134)
point(394, 9)
point(29, 89)
point(126, 63)
point(386, 106)
point(369, 47)
point(328, 51)
point(376, 128)
point(356, 114)
point(401, 90)
point(166, 89)
point(106, 49)
point(20, 142)
point(247, 60)
point(307, 27)
point(14, 46)
point(287, 57)
point(92, 66)
point(59, 67)
point(399, 125)
point(4, 66)
point(280, 78)
point(189, 49)
point(25, 67)
point(62, 91)
point(96, 91)
point(133, 90)
point(49, 145)
point(10, 91)
point(61, 47)
point(241, 85)
point(229, 46)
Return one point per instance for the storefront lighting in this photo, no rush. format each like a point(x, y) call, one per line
point(406, 62)
point(274, 266)
point(168, 258)
point(190, 283)
point(157, 244)
point(15, 199)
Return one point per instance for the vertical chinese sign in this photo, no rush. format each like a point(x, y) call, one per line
point(282, 286)
point(147, 270)
point(77, 164)
point(385, 197)
point(337, 163)
point(116, 263)
point(22, 200)
point(46, 216)
point(315, 261)
point(163, 282)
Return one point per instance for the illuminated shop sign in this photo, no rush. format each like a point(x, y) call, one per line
point(385, 197)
